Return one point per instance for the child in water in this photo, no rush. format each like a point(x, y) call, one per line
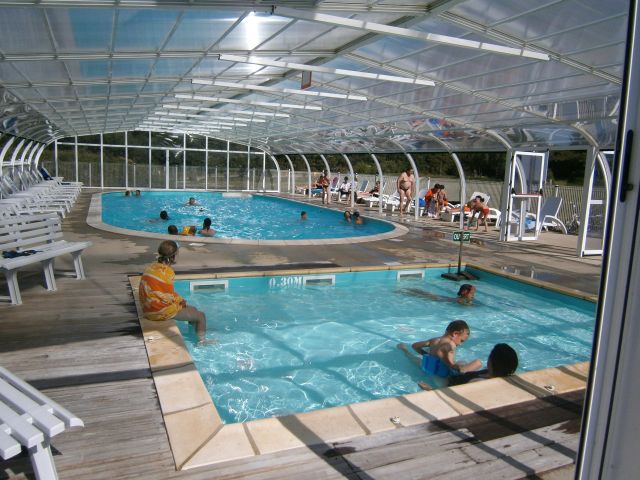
point(436, 356)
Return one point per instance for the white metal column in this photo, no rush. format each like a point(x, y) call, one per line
point(206, 163)
point(126, 160)
point(596, 161)
point(228, 165)
point(609, 443)
point(75, 156)
point(167, 168)
point(524, 197)
point(101, 162)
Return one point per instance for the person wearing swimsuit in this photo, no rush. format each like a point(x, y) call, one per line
point(405, 187)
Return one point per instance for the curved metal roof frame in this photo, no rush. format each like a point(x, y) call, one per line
point(420, 74)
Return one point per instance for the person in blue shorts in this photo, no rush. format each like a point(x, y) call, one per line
point(436, 356)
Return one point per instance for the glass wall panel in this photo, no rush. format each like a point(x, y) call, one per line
point(138, 138)
point(238, 171)
point(114, 167)
point(196, 141)
point(46, 159)
point(255, 172)
point(216, 144)
point(158, 169)
point(95, 139)
point(66, 162)
point(195, 169)
point(217, 170)
point(116, 138)
point(89, 165)
point(138, 168)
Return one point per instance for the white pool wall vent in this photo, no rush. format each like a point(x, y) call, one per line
point(319, 280)
point(406, 274)
point(209, 285)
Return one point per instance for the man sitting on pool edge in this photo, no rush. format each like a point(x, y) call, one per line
point(436, 356)
point(157, 296)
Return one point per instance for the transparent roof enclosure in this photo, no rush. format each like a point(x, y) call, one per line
point(318, 76)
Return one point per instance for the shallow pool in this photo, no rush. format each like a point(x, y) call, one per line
point(241, 216)
point(292, 344)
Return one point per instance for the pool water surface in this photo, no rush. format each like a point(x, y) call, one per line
point(236, 215)
point(289, 344)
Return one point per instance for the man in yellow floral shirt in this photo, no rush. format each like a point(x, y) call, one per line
point(158, 297)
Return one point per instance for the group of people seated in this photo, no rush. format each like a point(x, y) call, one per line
point(435, 201)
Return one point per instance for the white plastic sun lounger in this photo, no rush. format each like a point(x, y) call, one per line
point(30, 419)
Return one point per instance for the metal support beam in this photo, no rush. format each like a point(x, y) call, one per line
point(381, 177)
point(346, 158)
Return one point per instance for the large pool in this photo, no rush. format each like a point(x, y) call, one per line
point(289, 344)
point(238, 216)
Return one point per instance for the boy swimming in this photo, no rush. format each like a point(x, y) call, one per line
point(436, 356)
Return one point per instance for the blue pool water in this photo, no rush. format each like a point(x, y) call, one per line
point(254, 217)
point(285, 347)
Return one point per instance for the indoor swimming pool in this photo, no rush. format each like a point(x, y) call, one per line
point(310, 342)
point(233, 216)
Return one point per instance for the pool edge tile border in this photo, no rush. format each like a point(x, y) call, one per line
point(94, 219)
point(336, 423)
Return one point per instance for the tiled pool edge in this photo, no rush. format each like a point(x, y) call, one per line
point(198, 437)
point(94, 219)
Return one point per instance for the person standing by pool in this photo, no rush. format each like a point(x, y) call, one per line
point(207, 231)
point(404, 185)
point(157, 296)
point(436, 356)
point(443, 201)
point(323, 182)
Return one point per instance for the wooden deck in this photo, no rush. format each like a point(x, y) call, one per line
point(82, 346)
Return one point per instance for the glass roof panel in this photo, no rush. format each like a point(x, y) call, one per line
point(9, 74)
point(334, 39)
point(131, 68)
point(252, 31)
point(87, 69)
point(299, 33)
point(611, 30)
point(126, 88)
point(173, 67)
point(43, 71)
point(158, 86)
point(143, 29)
point(23, 30)
point(200, 29)
point(81, 29)
point(92, 90)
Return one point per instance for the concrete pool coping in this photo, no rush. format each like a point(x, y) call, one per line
point(198, 437)
point(94, 219)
